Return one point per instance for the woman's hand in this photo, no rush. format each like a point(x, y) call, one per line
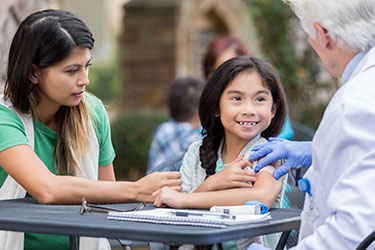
point(169, 197)
point(232, 176)
point(150, 183)
point(47, 188)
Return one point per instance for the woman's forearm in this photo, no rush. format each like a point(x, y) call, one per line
point(31, 173)
point(71, 190)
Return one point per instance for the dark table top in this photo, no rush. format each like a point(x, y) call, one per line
point(27, 215)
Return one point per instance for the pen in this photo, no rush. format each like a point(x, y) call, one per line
point(187, 214)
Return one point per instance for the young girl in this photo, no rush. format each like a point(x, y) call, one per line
point(55, 142)
point(225, 48)
point(242, 104)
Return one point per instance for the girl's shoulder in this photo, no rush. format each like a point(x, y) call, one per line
point(246, 151)
point(194, 147)
point(192, 154)
point(261, 140)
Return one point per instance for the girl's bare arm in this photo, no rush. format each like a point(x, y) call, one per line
point(265, 190)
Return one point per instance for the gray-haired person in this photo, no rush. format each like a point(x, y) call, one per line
point(340, 183)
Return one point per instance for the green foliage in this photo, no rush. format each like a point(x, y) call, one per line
point(276, 28)
point(272, 19)
point(132, 134)
point(104, 82)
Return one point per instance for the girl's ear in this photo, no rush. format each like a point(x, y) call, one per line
point(33, 76)
point(274, 109)
point(217, 113)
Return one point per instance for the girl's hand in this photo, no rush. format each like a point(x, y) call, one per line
point(169, 197)
point(232, 176)
point(155, 181)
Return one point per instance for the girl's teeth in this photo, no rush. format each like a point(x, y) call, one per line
point(248, 123)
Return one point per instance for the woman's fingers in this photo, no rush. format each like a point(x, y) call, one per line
point(172, 183)
point(177, 188)
point(171, 179)
point(172, 175)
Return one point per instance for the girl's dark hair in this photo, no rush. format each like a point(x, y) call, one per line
point(217, 47)
point(213, 129)
point(43, 39)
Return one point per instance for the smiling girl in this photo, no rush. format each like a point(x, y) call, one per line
point(55, 142)
point(242, 104)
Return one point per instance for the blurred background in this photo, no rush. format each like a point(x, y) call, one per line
point(142, 46)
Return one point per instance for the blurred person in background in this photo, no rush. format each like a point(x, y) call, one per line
point(173, 138)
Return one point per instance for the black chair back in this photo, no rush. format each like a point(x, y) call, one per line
point(173, 164)
point(367, 241)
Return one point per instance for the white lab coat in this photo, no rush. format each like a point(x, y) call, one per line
point(342, 175)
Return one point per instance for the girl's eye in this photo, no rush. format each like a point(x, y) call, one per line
point(236, 98)
point(259, 99)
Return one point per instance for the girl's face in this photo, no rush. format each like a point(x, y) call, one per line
point(65, 82)
point(245, 108)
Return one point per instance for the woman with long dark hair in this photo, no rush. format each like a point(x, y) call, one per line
point(55, 142)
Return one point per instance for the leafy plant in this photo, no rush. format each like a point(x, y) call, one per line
point(132, 134)
point(276, 25)
point(104, 82)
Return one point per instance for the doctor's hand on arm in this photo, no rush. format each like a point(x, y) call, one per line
point(295, 154)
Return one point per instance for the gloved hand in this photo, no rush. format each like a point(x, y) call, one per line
point(295, 154)
point(256, 246)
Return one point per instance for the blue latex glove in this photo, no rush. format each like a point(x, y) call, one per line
point(256, 246)
point(295, 153)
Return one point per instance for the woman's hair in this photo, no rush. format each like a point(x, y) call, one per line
point(209, 105)
point(217, 47)
point(352, 22)
point(183, 98)
point(43, 39)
